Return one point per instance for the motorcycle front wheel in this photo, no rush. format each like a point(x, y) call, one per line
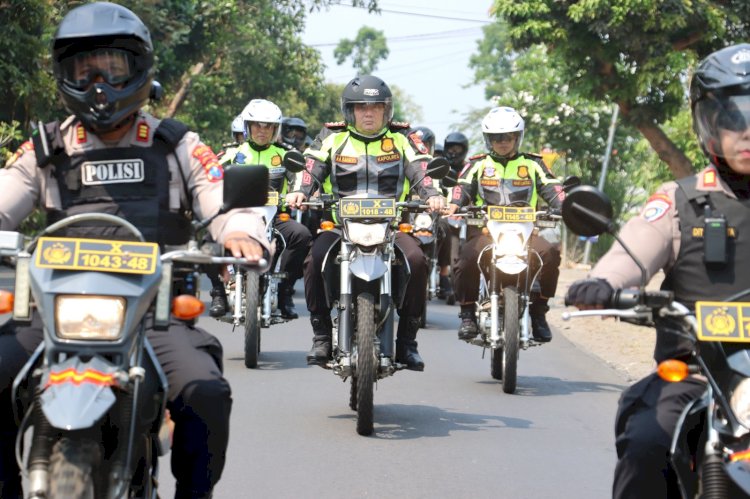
point(511, 333)
point(252, 319)
point(366, 369)
point(72, 467)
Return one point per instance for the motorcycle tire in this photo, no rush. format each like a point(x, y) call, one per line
point(367, 362)
point(71, 469)
point(253, 320)
point(511, 334)
point(496, 363)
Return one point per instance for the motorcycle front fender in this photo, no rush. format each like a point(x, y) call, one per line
point(683, 449)
point(77, 394)
point(368, 267)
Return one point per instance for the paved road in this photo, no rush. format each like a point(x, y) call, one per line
point(448, 432)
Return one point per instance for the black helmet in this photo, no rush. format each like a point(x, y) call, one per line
point(293, 131)
point(425, 136)
point(438, 153)
point(720, 97)
point(456, 138)
point(366, 90)
point(107, 30)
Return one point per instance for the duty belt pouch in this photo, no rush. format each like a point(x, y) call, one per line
point(47, 142)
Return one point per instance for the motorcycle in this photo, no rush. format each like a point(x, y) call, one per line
point(456, 235)
point(359, 286)
point(710, 450)
point(424, 227)
point(254, 296)
point(93, 394)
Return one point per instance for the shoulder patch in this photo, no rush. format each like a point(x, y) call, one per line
point(478, 156)
point(709, 178)
point(417, 142)
point(531, 155)
point(335, 125)
point(209, 161)
point(656, 207)
point(26, 146)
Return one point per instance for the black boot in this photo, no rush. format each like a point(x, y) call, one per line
point(468, 329)
point(446, 290)
point(406, 344)
point(320, 353)
point(286, 304)
point(539, 328)
point(218, 302)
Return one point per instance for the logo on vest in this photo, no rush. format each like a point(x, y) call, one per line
point(523, 171)
point(112, 172)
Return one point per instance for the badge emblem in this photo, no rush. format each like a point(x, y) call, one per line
point(489, 171)
point(523, 171)
point(276, 160)
point(57, 254)
point(387, 144)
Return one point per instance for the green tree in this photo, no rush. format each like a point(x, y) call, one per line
point(636, 54)
point(367, 49)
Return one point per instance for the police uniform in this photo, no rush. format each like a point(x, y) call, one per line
point(296, 235)
point(349, 164)
point(153, 176)
point(486, 180)
point(669, 234)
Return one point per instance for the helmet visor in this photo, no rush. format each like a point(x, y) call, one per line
point(115, 66)
point(720, 124)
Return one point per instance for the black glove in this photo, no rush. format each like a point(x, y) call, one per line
point(589, 292)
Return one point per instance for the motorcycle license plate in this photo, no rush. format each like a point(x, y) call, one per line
point(368, 208)
point(511, 213)
point(723, 321)
point(273, 198)
point(97, 254)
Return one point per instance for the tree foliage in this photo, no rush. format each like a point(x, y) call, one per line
point(367, 49)
point(635, 53)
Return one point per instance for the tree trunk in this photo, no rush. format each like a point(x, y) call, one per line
point(182, 92)
point(678, 163)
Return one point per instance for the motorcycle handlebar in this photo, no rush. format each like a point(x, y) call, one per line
point(200, 258)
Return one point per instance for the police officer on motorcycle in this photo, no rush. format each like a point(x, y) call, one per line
point(103, 62)
point(670, 234)
point(365, 154)
point(502, 177)
point(262, 122)
point(294, 132)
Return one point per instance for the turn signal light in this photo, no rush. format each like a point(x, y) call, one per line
point(485, 231)
point(6, 302)
point(405, 228)
point(187, 307)
point(327, 225)
point(284, 217)
point(673, 370)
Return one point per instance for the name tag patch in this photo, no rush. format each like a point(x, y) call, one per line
point(387, 158)
point(125, 171)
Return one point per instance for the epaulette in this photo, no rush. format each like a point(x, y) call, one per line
point(537, 157)
point(477, 157)
point(335, 125)
point(284, 145)
point(397, 126)
point(230, 145)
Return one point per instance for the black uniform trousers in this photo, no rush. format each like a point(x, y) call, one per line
point(414, 300)
point(466, 271)
point(647, 416)
point(298, 240)
point(199, 401)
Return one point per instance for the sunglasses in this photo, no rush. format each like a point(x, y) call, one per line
point(114, 66)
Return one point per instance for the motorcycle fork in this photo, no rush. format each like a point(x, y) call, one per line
point(238, 292)
point(385, 333)
point(346, 328)
point(494, 307)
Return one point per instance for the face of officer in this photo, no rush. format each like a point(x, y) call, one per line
point(503, 144)
point(261, 133)
point(734, 135)
point(369, 118)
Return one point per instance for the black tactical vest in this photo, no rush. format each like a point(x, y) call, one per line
point(130, 182)
point(691, 277)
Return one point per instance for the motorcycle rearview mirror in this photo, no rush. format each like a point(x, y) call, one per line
point(438, 168)
point(245, 186)
point(294, 161)
point(450, 179)
point(587, 211)
point(571, 182)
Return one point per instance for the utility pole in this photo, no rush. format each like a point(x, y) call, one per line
point(605, 165)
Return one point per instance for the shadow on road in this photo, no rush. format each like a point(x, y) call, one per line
point(405, 421)
point(278, 361)
point(547, 386)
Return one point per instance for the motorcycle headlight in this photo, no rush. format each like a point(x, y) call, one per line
point(366, 234)
point(510, 244)
point(740, 402)
point(98, 318)
point(423, 221)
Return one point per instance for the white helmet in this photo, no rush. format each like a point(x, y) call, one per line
point(262, 111)
point(502, 120)
point(238, 124)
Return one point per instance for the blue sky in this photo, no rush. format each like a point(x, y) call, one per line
point(430, 43)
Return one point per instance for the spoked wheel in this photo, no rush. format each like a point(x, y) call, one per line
point(366, 368)
point(511, 333)
point(252, 319)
